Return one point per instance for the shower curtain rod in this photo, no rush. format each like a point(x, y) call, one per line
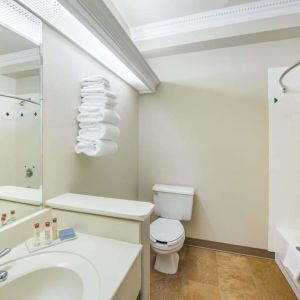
point(283, 86)
point(19, 98)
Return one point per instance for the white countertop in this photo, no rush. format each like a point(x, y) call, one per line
point(21, 195)
point(118, 208)
point(113, 259)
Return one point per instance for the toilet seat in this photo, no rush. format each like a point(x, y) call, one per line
point(165, 248)
point(166, 232)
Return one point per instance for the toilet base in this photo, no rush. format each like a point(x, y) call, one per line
point(167, 263)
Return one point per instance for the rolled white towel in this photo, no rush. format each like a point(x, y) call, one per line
point(97, 92)
point(89, 124)
point(101, 131)
point(95, 100)
point(107, 115)
point(96, 148)
point(93, 108)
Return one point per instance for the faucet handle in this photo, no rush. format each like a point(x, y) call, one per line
point(3, 275)
point(4, 252)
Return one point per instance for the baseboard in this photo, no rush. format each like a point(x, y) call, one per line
point(229, 248)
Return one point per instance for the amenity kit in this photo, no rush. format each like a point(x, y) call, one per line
point(5, 220)
point(50, 236)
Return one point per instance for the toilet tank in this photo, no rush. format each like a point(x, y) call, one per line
point(173, 202)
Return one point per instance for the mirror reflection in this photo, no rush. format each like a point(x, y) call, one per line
point(20, 127)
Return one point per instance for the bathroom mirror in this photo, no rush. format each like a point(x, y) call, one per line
point(20, 127)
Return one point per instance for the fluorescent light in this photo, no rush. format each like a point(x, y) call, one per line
point(62, 20)
point(16, 18)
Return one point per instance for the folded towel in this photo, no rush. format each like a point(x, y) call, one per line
point(98, 103)
point(292, 261)
point(102, 85)
point(96, 100)
point(99, 148)
point(99, 97)
point(97, 92)
point(96, 79)
point(93, 108)
point(107, 115)
point(101, 131)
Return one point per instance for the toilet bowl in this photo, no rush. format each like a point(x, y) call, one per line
point(166, 237)
point(172, 204)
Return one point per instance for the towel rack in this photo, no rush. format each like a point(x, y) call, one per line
point(283, 86)
point(19, 98)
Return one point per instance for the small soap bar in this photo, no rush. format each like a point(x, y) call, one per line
point(67, 233)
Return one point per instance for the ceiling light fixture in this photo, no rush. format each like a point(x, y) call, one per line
point(56, 15)
point(14, 17)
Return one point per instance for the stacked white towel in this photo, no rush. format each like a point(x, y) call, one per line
point(97, 118)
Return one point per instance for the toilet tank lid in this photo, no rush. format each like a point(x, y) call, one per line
point(173, 189)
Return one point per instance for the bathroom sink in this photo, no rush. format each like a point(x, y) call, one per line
point(87, 268)
point(48, 276)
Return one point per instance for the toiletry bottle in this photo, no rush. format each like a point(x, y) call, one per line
point(54, 229)
point(36, 235)
point(47, 233)
point(3, 219)
point(12, 216)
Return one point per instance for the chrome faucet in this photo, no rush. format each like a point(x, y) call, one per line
point(4, 274)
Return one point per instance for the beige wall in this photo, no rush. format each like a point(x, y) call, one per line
point(207, 126)
point(284, 161)
point(64, 171)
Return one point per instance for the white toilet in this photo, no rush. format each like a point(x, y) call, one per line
point(172, 204)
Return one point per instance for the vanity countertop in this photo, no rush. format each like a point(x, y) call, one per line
point(111, 258)
point(21, 194)
point(118, 208)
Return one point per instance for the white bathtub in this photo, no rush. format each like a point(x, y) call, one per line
point(283, 238)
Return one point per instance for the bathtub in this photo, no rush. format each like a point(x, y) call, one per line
point(283, 237)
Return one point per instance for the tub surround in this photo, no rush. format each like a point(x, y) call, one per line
point(118, 208)
point(113, 260)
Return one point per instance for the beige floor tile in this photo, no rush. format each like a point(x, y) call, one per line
point(231, 260)
point(205, 274)
point(165, 287)
point(199, 265)
point(237, 284)
point(192, 290)
point(269, 280)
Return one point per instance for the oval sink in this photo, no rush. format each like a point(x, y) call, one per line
point(56, 275)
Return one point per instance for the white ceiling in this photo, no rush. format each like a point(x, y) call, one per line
point(167, 27)
point(12, 42)
point(140, 12)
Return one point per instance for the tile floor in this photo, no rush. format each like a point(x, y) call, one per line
point(213, 275)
